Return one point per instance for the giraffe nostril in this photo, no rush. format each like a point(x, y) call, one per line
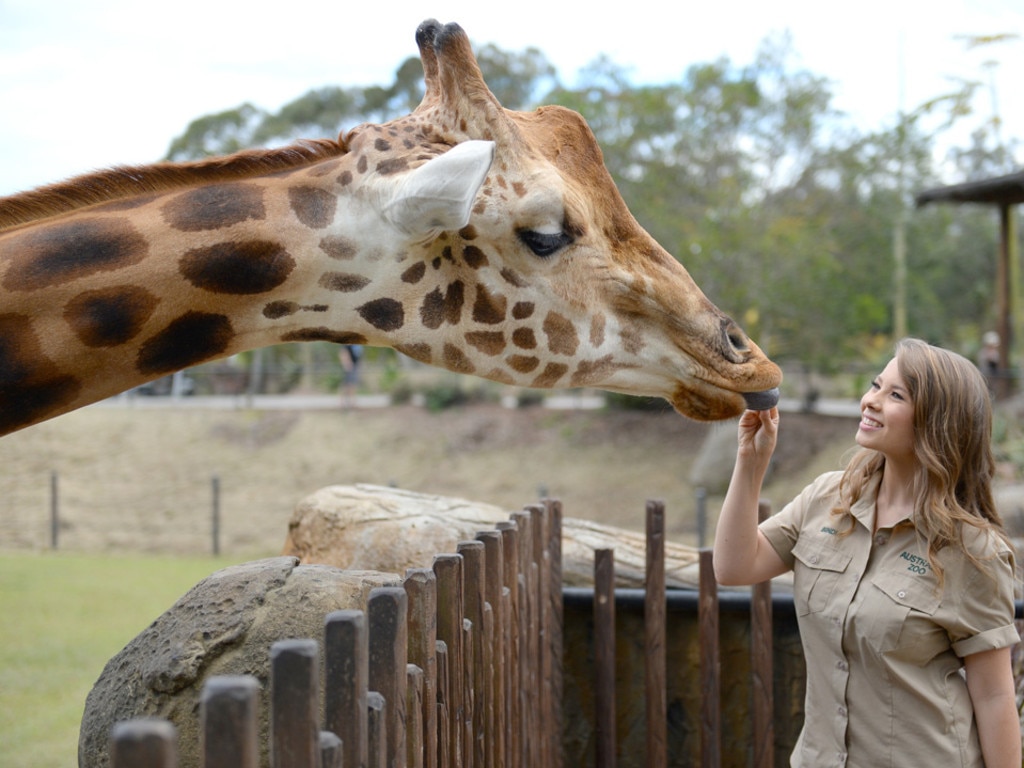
point(736, 341)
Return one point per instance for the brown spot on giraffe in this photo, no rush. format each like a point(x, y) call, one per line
point(238, 268)
point(489, 342)
point(392, 166)
point(313, 206)
point(30, 385)
point(414, 273)
point(437, 308)
point(214, 207)
point(340, 248)
point(551, 375)
point(562, 338)
point(278, 309)
point(455, 360)
point(597, 324)
point(325, 168)
point(70, 251)
point(417, 351)
point(589, 371)
point(489, 308)
point(343, 282)
point(513, 278)
point(522, 363)
point(324, 334)
point(474, 257)
point(383, 314)
point(109, 317)
point(524, 338)
point(521, 310)
point(188, 340)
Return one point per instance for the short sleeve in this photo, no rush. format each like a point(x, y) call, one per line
point(983, 619)
point(783, 529)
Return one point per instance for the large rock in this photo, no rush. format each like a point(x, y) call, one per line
point(224, 625)
point(387, 529)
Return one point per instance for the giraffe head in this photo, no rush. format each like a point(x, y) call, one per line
point(523, 264)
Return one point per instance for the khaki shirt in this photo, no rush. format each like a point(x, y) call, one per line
point(885, 681)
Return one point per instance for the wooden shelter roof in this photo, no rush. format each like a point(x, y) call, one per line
point(1001, 190)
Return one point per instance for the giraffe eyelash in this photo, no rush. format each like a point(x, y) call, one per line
point(544, 245)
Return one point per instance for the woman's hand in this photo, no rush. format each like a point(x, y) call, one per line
point(758, 433)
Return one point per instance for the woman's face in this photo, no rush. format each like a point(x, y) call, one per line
point(887, 416)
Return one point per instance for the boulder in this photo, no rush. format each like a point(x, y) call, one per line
point(388, 529)
point(224, 625)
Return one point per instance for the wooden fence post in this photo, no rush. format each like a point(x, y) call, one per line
point(229, 734)
point(444, 725)
point(762, 675)
point(376, 730)
point(331, 754)
point(655, 611)
point(513, 618)
point(421, 587)
point(555, 629)
point(346, 682)
point(387, 613)
point(527, 684)
point(295, 704)
point(604, 657)
point(143, 743)
point(494, 583)
point(707, 618)
point(475, 580)
point(414, 717)
point(450, 602)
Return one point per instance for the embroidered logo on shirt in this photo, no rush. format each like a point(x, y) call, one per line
point(917, 563)
point(829, 531)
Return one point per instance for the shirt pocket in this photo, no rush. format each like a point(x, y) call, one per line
point(902, 620)
point(818, 569)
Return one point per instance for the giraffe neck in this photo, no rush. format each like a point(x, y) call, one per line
point(105, 298)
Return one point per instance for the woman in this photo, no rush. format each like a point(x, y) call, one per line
point(903, 576)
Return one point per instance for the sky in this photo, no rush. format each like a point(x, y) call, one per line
point(88, 85)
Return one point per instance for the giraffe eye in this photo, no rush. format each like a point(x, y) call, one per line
point(544, 244)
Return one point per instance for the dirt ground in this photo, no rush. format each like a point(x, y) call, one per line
point(132, 479)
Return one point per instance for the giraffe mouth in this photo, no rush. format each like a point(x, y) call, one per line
point(762, 401)
point(703, 401)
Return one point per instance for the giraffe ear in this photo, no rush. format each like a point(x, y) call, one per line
point(439, 196)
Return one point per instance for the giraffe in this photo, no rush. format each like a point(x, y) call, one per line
point(464, 235)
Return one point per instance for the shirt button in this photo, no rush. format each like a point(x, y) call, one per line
point(841, 711)
point(841, 666)
point(901, 594)
point(880, 539)
point(814, 559)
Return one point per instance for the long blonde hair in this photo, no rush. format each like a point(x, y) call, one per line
point(953, 447)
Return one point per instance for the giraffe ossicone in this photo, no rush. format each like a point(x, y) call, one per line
point(467, 236)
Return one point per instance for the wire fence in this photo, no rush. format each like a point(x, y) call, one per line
point(168, 515)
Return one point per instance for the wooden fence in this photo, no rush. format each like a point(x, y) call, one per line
point(462, 667)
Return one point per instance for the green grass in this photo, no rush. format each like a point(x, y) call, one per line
point(62, 617)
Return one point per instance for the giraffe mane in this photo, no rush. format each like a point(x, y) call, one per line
point(129, 181)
